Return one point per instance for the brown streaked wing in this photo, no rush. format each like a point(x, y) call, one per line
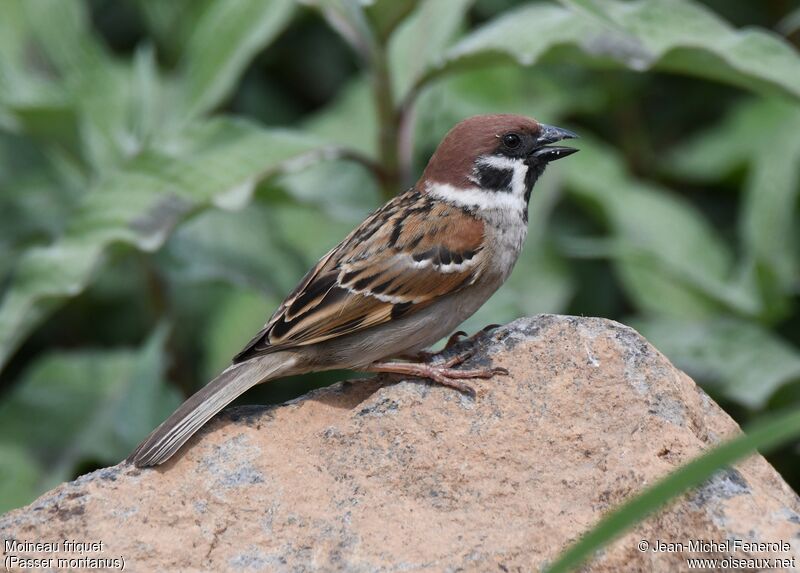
point(402, 258)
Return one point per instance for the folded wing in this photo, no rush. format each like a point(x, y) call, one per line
point(400, 260)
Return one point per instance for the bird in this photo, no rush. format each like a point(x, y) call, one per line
point(409, 274)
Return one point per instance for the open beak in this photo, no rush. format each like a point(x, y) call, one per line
point(545, 153)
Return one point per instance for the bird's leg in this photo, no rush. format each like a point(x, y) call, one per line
point(440, 373)
point(427, 356)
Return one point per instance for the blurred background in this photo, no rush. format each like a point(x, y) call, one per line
point(170, 169)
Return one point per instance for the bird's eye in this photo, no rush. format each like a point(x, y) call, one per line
point(512, 140)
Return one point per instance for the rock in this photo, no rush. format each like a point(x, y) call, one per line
point(373, 475)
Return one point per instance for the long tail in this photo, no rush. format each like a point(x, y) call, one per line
point(167, 438)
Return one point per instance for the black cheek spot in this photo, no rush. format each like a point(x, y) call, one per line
point(494, 179)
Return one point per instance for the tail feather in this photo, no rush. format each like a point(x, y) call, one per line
point(168, 438)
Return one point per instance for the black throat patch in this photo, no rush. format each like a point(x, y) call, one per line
point(534, 172)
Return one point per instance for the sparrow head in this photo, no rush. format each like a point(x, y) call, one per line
point(495, 154)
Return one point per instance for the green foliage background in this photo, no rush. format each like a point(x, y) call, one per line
point(168, 171)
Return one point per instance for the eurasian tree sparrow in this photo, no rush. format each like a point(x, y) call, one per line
point(407, 276)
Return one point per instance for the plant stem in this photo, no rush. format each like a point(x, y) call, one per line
point(388, 123)
point(405, 139)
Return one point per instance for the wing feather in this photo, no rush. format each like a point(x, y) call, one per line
point(399, 260)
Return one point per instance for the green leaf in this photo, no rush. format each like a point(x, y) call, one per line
point(63, 32)
point(45, 49)
point(670, 35)
point(225, 39)
point(685, 36)
point(761, 135)
point(344, 189)
point(717, 152)
point(420, 41)
point(257, 248)
point(350, 120)
point(235, 248)
point(97, 404)
point(33, 204)
point(215, 163)
point(142, 404)
point(13, 39)
point(769, 222)
point(669, 258)
point(790, 24)
point(104, 102)
point(742, 360)
point(237, 318)
point(172, 23)
point(62, 85)
point(18, 475)
point(386, 15)
point(590, 7)
point(764, 437)
point(347, 17)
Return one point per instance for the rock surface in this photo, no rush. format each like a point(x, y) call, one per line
point(375, 475)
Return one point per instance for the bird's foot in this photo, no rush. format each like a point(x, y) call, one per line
point(461, 336)
point(441, 373)
point(455, 338)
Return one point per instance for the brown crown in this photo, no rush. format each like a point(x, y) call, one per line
point(453, 160)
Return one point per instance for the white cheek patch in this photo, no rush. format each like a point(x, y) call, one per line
point(518, 179)
point(499, 161)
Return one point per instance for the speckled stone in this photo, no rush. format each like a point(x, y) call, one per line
point(378, 475)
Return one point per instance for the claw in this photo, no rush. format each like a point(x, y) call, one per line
point(454, 339)
point(490, 327)
point(500, 370)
